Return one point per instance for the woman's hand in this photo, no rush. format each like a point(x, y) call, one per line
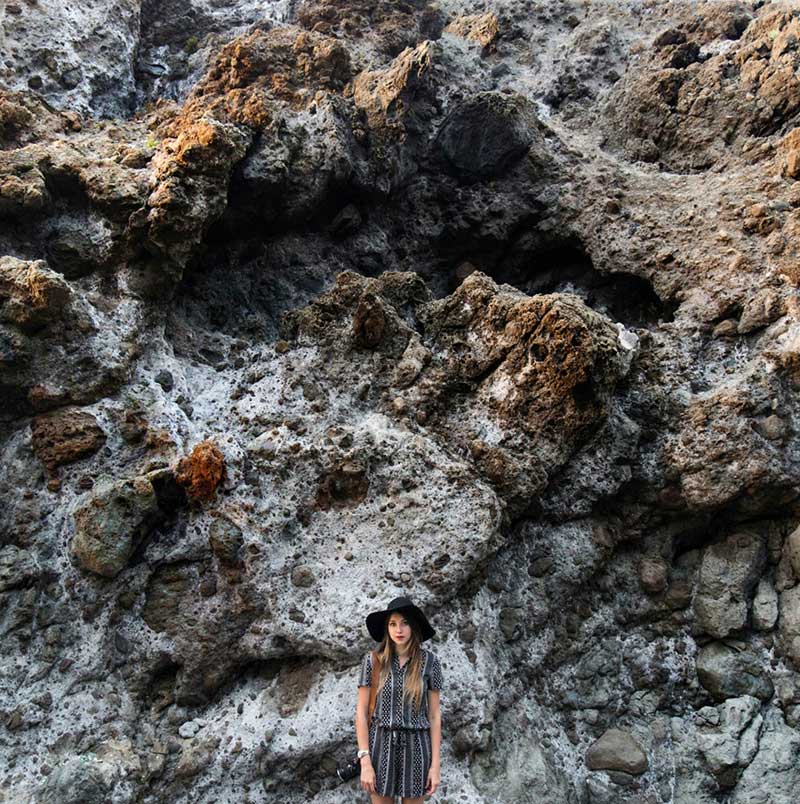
point(367, 775)
point(434, 779)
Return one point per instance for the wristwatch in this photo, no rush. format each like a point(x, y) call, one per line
point(363, 753)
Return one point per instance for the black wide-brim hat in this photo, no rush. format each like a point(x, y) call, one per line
point(376, 620)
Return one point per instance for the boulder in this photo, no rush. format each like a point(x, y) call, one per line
point(728, 737)
point(486, 134)
point(728, 572)
point(31, 295)
point(765, 606)
point(789, 624)
point(226, 540)
point(481, 28)
point(112, 522)
point(617, 750)
point(729, 673)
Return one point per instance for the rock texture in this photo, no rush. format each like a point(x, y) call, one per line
point(304, 306)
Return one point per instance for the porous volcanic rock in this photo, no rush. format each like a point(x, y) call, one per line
point(306, 306)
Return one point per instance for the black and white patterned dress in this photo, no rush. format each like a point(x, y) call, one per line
point(399, 737)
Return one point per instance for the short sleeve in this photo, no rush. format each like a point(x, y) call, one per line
point(435, 679)
point(365, 679)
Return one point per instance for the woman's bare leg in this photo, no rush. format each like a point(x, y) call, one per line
point(412, 800)
point(376, 799)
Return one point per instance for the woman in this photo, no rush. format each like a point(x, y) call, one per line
point(399, 748)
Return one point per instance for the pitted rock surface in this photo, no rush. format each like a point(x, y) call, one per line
point(306, 306)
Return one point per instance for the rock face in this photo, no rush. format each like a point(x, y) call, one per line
point(306, 306)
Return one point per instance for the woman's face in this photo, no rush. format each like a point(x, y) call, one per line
point(399, 629)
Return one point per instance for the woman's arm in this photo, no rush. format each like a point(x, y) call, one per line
point(362, 736)
point(362, 709)
point(435, 719)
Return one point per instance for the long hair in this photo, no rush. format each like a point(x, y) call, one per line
point(412, 686)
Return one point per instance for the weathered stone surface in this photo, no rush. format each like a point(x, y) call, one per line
point(792, 551)
point(65, 436)
point(486, 134)
point(661, 113)
point(765, 606)
point(480, 28)
point(76, 781)
point(773, 768)
point(789, 624)
point(617, 750)
point(17, 568)
point(201, 471)
point(728, 573)
point(729, 673)
point(728, 737)
point(534, 388)
point(110, 524)
point(31, 295)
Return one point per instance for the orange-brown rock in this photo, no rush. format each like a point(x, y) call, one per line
point(481, 28)
point(389, 96)
point(64, 436)
point(284, 64)
point(790, 150)
point(31, 295)
point(690, 113)
point(201, 471)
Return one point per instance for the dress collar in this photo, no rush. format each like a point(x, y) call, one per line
point(396, 662)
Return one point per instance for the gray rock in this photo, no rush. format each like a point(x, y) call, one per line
point(729, 673)
point(110, 524)
point(728, 572)
point(617, 750)
point(765, 606)
point(17, 568)
point(792, 550)
point(303, 576)
point(79, 780)
point(189, 728)
point(729, 742)
point(226, 540)
point(486, 134)
point(773, 775)
point(789, 624)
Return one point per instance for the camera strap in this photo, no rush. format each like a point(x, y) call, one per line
point(373, 693)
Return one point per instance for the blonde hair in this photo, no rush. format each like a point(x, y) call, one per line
point(412, 686)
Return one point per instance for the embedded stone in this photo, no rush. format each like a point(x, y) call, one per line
point(617, 750)
point(729, 673)
point(65, 436)
point(201, 471)
point(112, 522)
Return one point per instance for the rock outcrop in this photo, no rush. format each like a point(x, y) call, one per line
point(305, 306)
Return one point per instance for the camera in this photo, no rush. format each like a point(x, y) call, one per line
point(349, 771)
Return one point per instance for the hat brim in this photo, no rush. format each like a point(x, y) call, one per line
point(376, 622)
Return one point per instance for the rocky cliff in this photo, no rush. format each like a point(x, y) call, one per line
point(305, 305)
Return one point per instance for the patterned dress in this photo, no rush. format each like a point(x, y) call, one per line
point(399, 737)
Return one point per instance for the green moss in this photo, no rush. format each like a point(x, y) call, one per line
point(191, 45)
